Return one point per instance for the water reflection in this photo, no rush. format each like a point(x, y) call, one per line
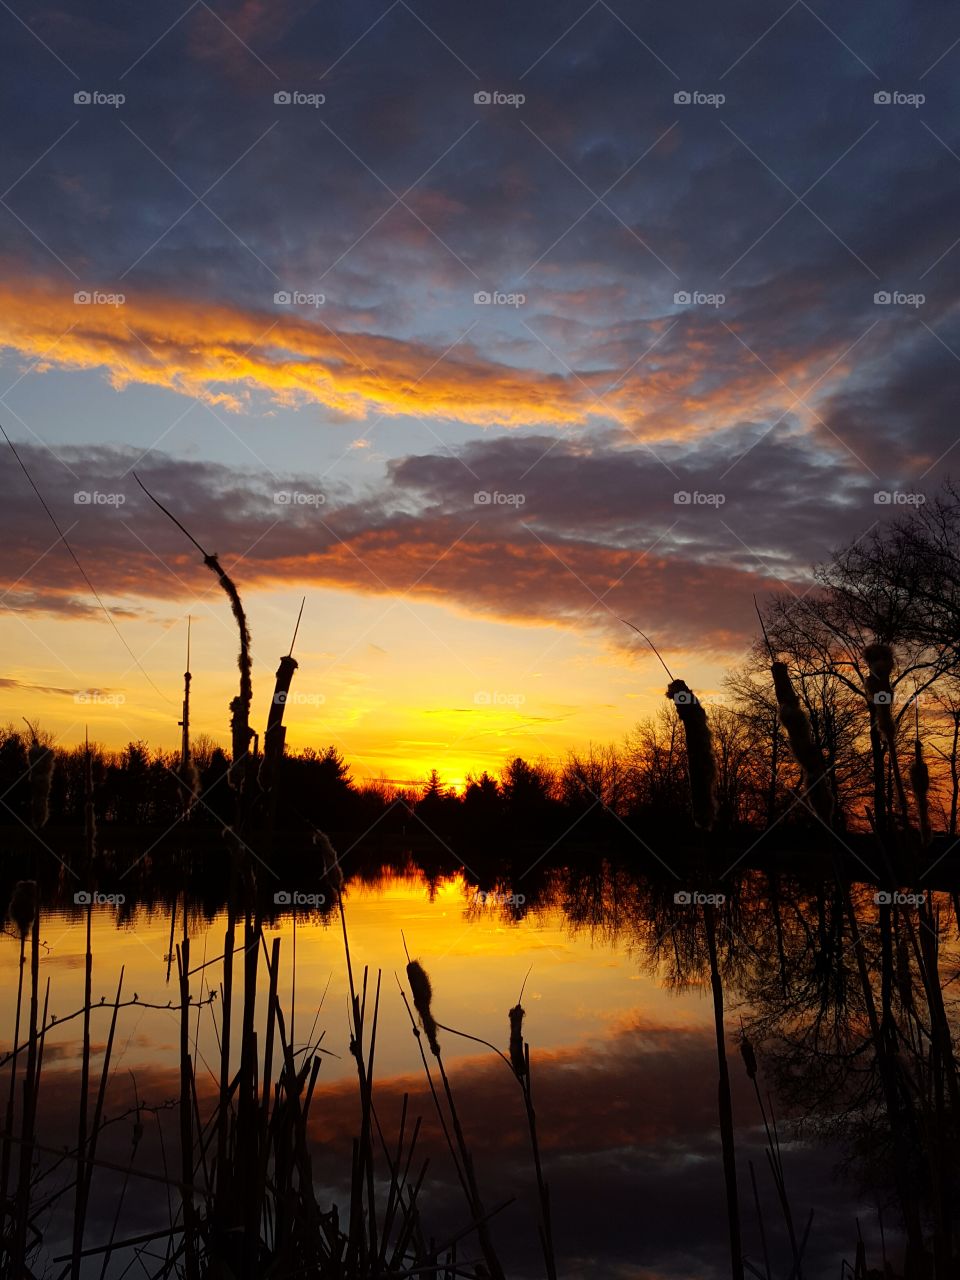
point(836, 990)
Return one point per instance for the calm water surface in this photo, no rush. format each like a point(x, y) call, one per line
point(624, 1070)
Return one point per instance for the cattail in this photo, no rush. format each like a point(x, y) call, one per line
point(920, 782)
point(422, 998)
point(240, 731)
point(879, 660)
point(275, 737)
point(749, 1058)
point(806, 752)
point(189, 777)
point(23, 905)
point(40, 759)
point(701, 765)
point(89, 813)
point(332, 871)
point(518, 1058)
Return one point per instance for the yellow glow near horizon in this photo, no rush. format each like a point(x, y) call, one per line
point(398, 691)
point(581, 989)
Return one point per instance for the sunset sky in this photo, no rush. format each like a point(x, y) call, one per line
point(720, 252)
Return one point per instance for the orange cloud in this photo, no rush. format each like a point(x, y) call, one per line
point(224, 353)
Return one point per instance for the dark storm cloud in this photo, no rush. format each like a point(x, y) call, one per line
point(600, 92)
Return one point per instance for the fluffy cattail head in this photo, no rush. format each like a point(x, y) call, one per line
point(89, 813)
point(422, 999)
point(701, 765)
point(920, 782)
point(518, 1059)
point(749, 1058)
point(40, 758)
point(89, 828)
point(879, 658)
point(189, 777)
point(23, 905)
point(782, 686)
point(332, 871)
point(807, 754)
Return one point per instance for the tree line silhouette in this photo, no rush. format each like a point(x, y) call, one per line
point(897, 587)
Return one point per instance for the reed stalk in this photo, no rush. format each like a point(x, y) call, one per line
point(724, 1101)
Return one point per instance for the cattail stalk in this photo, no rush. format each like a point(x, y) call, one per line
point(724, 1102)
point(240, 730)
point(23, 906)
point(422, 994)
point(422, 998)
point(89, 849)
point(701, 764)
point(880, 662)
point(774, 1157)
point(920, 783)
point(815, 779)
point(41, 760)
point(31, 1085)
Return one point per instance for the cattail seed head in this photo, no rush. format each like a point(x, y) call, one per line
point(422, 998)
point(749, 1058)
point(518, 1059)
point(920, 782)
point(805, 750)
point(89, 813)
point(189, 777)
point(23, 905)
point(40, 758)
point(701, 765)
point(332, 871)
point(879, 658)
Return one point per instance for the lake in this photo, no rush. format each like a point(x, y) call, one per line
point(620, 1023)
